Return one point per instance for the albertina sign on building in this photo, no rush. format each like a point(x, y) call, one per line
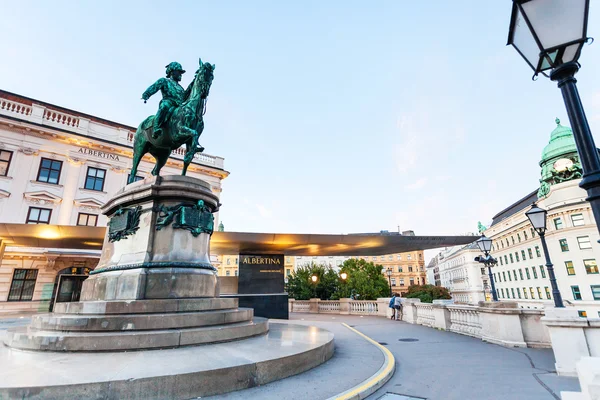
point(261, 273)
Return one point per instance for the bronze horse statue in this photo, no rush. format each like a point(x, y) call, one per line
point(183, 127)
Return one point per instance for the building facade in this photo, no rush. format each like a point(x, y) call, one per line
point(572, 237)
point(466, 279)
point(58, 167)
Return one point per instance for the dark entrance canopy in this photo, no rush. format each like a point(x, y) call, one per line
point(91, 238)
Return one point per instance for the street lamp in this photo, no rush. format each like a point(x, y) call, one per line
point(549, 35)
point(537, 217)
point(389, 275)
point(314, 279)
point(485, 244)
point(344, 276)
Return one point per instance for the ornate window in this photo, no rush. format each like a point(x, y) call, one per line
point(49, 171)
point(521, 273)
point(584, 242)
point(570, 268)
point(590, 266)
point(525, 293)
point(518, 293)
point(515, 274)
point(523, 254)
point(5, 158)
point(37, 215)
point(548, 296)
point(410, 269)
point(532, 293)
point(537, 251)
point(95, 179)
point(517, 255)
point(512, 291)
point(527, 273)
point(401, 281)
point(23, 284)
point(534, 272)
point(543, 271)
point(576, 292)
point(539, 291)
point(519, 237)
point(577, 219)
point(564, 246)
point(530, 254)
point(511, 258)
point(558, 224)
point(595, 291)
point(525, 234)
point(136, 178)
point(87, 219)
point(393, 281)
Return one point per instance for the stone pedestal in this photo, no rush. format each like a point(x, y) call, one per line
point(409, 311)
point(157, 245)
point(154, 286)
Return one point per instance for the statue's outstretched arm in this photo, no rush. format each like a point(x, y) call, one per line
point(153, 89)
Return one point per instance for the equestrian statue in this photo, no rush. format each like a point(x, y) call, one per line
point(178, 120)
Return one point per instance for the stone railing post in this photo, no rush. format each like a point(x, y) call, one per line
point(383, 309)
point(588, 371)
point(37, 113)
point(569, 342)
point(291, 305)
point(345, 306)
point(442, 317)
point(501, 323)
point(314, 306)
point(409, 311)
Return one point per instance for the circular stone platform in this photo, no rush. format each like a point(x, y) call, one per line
point(181, 373)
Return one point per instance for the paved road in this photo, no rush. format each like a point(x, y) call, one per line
point(437, 365)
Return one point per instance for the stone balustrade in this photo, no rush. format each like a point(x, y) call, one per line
point(465, 320)
point(425, 314)
point(123, 135)
point(342, 306)
point(503, 323)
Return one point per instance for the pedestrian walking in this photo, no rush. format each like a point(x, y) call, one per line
point(391, 305)
point(398, 307)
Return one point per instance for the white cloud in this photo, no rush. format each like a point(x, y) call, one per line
point(418, 184)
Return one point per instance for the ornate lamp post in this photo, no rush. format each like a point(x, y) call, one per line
point(389, 275)
point(485, 244)
point(537, 217)
point(314, 280)
point(549, 35)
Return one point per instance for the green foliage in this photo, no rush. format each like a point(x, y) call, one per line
point(427, 293)
point(364, 279)
point(301, 287)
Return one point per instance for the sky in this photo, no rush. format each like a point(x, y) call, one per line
point(332, 116)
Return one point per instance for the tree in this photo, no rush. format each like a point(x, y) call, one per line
point(365, 278)
point(427, 293)
point(301, 287)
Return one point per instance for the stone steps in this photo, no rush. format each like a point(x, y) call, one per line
point(146, 306)
point(26, 338)
point(138, 322)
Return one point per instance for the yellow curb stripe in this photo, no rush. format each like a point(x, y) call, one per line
point(382, 376)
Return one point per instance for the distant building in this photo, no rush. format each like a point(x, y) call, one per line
point(466, 279)
point(572, 236)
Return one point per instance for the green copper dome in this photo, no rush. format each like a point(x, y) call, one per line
point(560, 160)
point(561, 143)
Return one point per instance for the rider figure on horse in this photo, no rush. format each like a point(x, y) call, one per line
point(173, 95)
